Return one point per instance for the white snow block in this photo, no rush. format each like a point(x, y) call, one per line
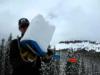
point(40, 31)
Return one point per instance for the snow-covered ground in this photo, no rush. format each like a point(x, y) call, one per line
point(85, 45)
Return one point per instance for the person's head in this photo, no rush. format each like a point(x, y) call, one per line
point(23, 24)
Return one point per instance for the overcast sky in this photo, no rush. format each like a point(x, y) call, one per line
point(74, 19)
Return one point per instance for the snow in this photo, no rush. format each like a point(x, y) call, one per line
point(40, 31)
point(85, 45)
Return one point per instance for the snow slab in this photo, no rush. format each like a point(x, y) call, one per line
point(40, 31)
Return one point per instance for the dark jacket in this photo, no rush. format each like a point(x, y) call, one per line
point(19, 66)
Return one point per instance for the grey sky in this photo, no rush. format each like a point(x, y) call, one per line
point(74, 19)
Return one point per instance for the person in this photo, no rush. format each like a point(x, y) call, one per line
point(19, 65)
point(26, 55)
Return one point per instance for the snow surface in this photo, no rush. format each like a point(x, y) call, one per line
point(85, 45)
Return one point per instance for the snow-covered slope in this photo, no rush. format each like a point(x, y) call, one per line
point(88, 45)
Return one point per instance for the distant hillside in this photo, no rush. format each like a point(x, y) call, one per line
point(79, 44)
point(79, 41)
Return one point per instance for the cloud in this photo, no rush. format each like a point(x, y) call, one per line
point(77, 20)
point(74, 19)
point(11, 11)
